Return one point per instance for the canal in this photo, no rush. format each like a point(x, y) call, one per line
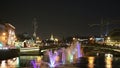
point(62, 58)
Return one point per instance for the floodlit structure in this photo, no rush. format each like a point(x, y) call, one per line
point(114, 38)
point(7, 34)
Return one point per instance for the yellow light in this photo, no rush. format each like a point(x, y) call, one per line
point(78, 39)
point(73, 38)
point(3, 34)
point(108, 61)
point(56, 39)
point(91, 38)
point(3, 64)
point(38, 38)
point(108, 38)
point(91, 62)
point(39, 58)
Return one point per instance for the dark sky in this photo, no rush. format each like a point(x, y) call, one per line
point(59, 17)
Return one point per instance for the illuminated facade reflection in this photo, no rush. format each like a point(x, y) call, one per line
point(10, 63)
point(91, 62)
point(108, 61)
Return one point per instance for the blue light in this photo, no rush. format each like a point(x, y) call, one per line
point(1, 44)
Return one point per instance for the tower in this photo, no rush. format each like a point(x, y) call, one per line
point(34, 29)
point(51, 38)
point(101, 27)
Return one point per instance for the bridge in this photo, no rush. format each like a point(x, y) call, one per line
point(95, 48)
point(29, 51)
point(102, 49)
point(38, 50)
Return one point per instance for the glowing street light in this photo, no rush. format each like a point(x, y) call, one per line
point(3, 33)
point(73, 38)
point(56, 39)
point(108, 39)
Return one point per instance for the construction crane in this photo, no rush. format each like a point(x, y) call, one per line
point(105, 23)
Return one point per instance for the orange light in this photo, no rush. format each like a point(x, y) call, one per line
point(3, 34)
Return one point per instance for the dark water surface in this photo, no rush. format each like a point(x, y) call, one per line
point(91, 59)
point(83, 62)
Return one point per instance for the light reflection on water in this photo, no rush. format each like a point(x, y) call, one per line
point(108, 61)
point(15, 62)
point(10, 63)
point(91, 62)
point(42, 61)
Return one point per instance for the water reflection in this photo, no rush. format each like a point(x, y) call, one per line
point(37, 62)
point(65, 57)
point(108, 61)
point(10, 63)
point(91, 62)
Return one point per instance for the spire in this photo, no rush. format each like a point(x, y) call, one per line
point(34, 28)
point(51, 38)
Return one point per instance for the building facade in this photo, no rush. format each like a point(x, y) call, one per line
point(7, 34)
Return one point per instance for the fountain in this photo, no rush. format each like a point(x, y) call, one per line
point(73, 52)
point(37, 63)
point(53, 57)
point(78, 50)
point(34, 64)
point(61, 56)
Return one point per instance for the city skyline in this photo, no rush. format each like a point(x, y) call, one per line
point(60, 18)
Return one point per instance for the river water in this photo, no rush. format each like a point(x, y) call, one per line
point(91, 61)
point(84, 62)
point(65, 58)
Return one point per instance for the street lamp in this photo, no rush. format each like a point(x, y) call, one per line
point(108, 39)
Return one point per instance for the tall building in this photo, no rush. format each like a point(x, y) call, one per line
point(34, 29)
point(7, 34)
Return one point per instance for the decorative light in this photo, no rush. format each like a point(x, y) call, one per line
point(108, 38)
point(91, 38)
point(56, 39)
point(3, 33)
point(73, 38)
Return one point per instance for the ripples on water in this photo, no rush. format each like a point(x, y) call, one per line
point(88, 59)
point(84, 62)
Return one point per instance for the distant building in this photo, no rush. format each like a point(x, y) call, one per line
point(51, 38)
point(82, 39)
point(113, 38)
point(24, 40)
point(99, 40)
point(7, 34)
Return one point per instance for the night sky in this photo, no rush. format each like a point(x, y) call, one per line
point(59, 17)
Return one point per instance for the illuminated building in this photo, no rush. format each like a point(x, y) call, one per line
point(114, 38)
point(7, 34)
point(51, 38)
